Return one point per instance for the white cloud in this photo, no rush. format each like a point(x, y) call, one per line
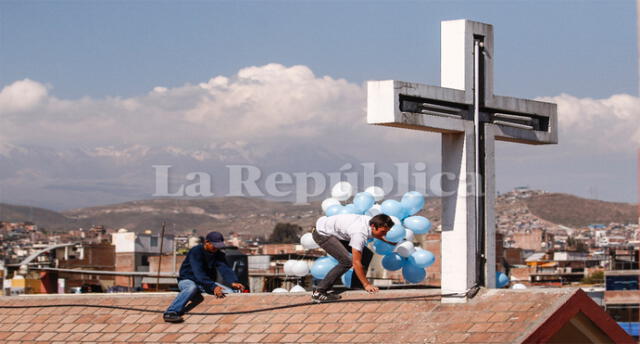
point(266, 109)
point(271, 102)
point(268, 106)
point(598, 125)
point(22, 95)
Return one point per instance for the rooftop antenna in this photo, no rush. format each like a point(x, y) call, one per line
point(160, 256)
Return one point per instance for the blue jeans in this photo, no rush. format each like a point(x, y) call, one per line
point(189, 291)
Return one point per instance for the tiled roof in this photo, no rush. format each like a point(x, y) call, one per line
point(401, 316)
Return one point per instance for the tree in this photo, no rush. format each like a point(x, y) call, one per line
point(596, 277)
point(286, 233)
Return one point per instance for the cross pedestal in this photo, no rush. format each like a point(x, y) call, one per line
point(470, 118)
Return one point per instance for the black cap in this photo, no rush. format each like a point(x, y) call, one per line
point(216, 239)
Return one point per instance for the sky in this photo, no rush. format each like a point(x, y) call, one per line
point(105, 76)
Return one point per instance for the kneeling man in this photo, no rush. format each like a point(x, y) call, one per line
point(197, 275)
point(340, 234)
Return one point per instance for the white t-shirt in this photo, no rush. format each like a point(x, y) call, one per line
point(348, 227)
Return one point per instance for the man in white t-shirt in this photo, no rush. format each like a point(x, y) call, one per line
point(341, 234)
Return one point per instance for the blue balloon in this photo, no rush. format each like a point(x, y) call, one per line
point(346, 278)
point(331, 259)
point(382, 247)
point(405, 213)
point(349, 209)
point(334, 210)
point(413, 201)
point(501, 279)
point(413, 274)
point(322, 266)
point(363, 201)
point(393, 262)
point(396, 234)
point(418, 224)
point(392, 208)
point(421, 258)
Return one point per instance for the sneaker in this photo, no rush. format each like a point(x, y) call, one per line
point(333, 291)
point(319, 297)
point(172, 317)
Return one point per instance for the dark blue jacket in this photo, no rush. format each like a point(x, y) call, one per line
point(201, 265)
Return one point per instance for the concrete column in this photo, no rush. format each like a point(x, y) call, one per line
point(490, 206)
point(459, 226)
point(459, 239)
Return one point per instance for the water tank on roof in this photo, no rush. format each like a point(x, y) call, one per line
point(122, 230)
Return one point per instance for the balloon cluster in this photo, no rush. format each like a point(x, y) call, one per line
point(297, 268)
point(412, 260)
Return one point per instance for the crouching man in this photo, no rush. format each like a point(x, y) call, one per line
point(197, 273)
point(341, 234)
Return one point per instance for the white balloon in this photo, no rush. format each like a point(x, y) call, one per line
point(297, 289)
point(288, 267)
point(342, 191)
point(374, 210)
point(404, 249)
point(329, 202)
point(280, 290)
point(396, 220)
point(376, 192)
point(300, 268)
point(518, 286)
point(409, 235)
point(307, 242)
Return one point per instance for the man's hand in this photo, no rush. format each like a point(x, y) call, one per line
point(238, 286)
point(217, 291)
point(371, 289)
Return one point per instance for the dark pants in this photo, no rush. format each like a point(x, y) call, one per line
point(340, 250)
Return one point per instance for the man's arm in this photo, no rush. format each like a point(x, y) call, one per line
point(227, 273)
point(358, 269)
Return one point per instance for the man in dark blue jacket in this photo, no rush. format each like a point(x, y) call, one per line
point(197, 274)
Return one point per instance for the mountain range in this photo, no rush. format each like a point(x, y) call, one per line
point(61, 179)
point(259, 216)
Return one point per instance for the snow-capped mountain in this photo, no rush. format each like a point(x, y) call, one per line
point(79, 177)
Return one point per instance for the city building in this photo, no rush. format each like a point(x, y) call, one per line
point(132, 252)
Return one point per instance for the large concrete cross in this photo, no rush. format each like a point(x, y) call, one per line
point(470, 118)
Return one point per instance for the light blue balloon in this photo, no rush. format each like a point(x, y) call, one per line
point(413, 201)
point(382, 247)
point(363, 201)
point(396, 233)
point(355, 209)
point(392, 208)
point(347, 277)
point(349, 209)
point(418, 224)
point(501, 279)
point(333, 260)
point(405, 213)
point(413, 274)
point(393, 262)
point(421, 258)
point(321, 267)
point(334, 210)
